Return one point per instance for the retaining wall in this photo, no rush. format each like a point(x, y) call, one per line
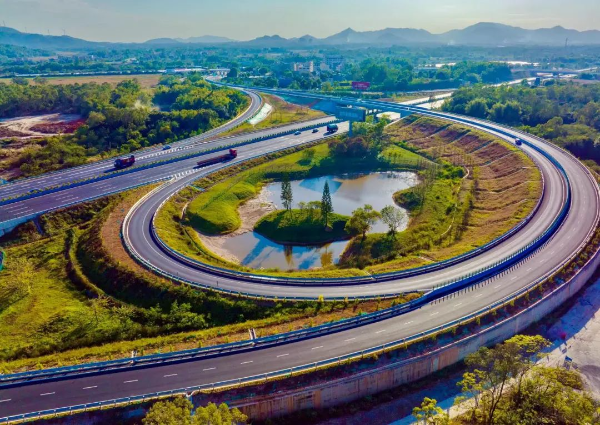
point(345, 390)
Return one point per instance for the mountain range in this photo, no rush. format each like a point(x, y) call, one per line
point(481, 34)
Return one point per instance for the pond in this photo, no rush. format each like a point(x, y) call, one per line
point(348, 192)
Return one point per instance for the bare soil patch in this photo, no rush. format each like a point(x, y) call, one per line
point(250, 212)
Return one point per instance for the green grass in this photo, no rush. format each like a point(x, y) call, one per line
point(215, 211)
point(283, 113)
point(431, 216)
point(41, 310)
point(302, 227)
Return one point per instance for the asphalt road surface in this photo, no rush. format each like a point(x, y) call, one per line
point(582, 219)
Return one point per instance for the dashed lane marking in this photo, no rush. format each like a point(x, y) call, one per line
point(283, 355)
point(249, 361)
point(89, 388)
point(47, 394)
point(349, 339)
point(316, 348)
point(209, 368)
point(169, 375)
point(127, 382)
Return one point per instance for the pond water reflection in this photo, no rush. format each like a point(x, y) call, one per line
point(348, 192)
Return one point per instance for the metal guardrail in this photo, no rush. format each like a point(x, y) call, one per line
point(225, 272)
point(185, 142)
point(153, 164)
point(186, 355)
point(290, 371)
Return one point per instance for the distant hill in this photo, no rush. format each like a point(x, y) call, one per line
point(487, 33)
point(163, 41)
point(206, 39)
point(48, 42)
point(481, 34)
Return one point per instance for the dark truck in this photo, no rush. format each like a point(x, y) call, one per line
point(332, 128)
point(221, 158)
point(124, 162)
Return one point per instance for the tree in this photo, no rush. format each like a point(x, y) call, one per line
point(477, 108)
point(429, 413)
point(233, 73)
point(392, 217)
point(179, 412)
point(491, 370)
point(326, 87)
point(221, 415)
point(326, 204)
point(286, 192)
point(176, 412)
point(362, 220)
point(20, 81)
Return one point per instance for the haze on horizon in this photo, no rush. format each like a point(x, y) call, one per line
point(140, 20)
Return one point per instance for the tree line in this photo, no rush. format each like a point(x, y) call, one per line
point(118, 119)
point(566, 114)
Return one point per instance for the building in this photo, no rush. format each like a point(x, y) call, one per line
point(304, 67)
point(332, 63)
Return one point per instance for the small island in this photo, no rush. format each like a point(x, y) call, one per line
point(302, 227)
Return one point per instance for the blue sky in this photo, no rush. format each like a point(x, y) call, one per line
point(139, 20)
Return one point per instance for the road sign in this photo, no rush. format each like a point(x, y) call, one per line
point(352, 114)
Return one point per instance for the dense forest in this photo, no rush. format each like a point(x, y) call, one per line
point(566, 114)
point(118, 119)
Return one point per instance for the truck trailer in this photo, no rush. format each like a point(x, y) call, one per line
point(332, 128)
point(216, 159)
point(124, 162)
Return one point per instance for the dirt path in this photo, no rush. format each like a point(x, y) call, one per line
point(23, 125)
point(250, 212)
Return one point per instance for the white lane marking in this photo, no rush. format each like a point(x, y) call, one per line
point(210, 368)
point(514, 278)
point(4, 401)
point(542, 261)
point(497, 286)
point(47, 394)
point(133, 380)
point(89, 388)
point(408, 323)
point(316, 348)
point(349, 339)
point(552, 253)
point(378, 332)
point(477, 296)
point(250, 361)
point(435, 314)
point(283, 355)
point(456, 305)
point(529, 269)
point(171, 374)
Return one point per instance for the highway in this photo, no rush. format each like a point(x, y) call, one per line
point(119, 182)
point(578, 225)
point(138, 231)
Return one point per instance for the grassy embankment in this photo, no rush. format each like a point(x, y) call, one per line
point(501, 188)
point(215, 211)
point(451, 211)
point(283, 113)
point(75, 295)
point(302, 227)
